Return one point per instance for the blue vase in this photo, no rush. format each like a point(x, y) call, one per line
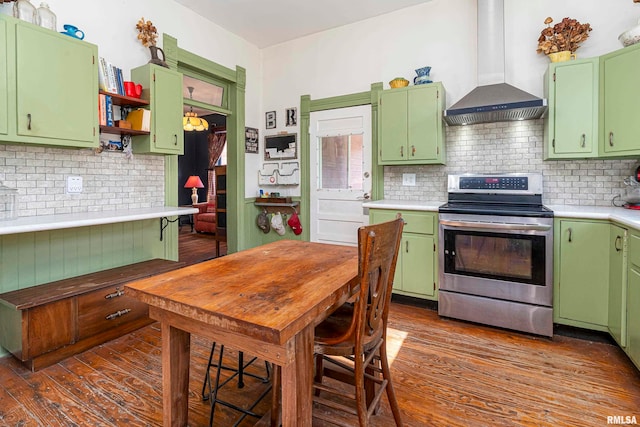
point(422, 76)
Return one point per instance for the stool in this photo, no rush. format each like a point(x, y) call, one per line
point(238, 372)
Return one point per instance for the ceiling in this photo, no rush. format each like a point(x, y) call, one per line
point(268, 22)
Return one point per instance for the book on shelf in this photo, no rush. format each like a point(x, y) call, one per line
point(120, 81)
point(102, 109)
point(140, 119)
point(109, 110)
point(102, 75)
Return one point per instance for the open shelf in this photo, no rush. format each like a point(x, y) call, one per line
point(122, 131)
point(125, 101)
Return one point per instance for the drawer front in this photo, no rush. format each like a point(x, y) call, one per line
point(107, 308)
point(415, 222)
point(634, 249)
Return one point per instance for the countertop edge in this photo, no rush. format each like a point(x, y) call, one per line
point(83, 219)
point(626, 217)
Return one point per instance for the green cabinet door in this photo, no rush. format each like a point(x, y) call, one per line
point(571, 130)
point(410, 125)
point(418, 264)
point(423, 123)
point(393, 126)
point(633, 316)
point(416, 268)
point(4, 94)
point(617, 284)
point(162, 87)
point(582, 285)
point(167, 109)
point(620, 102)
point(56, 88)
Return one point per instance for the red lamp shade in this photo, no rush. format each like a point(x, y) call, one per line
point(194, 181)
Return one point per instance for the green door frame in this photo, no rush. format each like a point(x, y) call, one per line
point(186, 62)
point(307, 106)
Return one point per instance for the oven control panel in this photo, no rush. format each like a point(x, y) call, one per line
point(494, 183)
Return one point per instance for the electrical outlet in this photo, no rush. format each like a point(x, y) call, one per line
point(74, 184)
point(409, 179)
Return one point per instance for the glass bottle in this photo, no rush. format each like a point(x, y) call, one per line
point(46, 18)
point(23, 9)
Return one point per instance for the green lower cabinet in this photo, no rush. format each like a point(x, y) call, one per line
point(416, 268)
point(618, 284)
point(633, 316)
point(581, 288)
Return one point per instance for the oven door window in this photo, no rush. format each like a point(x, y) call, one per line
point(501, 256)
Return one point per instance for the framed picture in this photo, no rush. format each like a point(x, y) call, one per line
point(281, 147)
point(251, 140)
point(292, 116)
point(270, 118)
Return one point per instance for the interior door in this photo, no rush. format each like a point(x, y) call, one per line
point(340, 154)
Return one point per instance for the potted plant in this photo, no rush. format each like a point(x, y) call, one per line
point(559, 42)
point(147, 34)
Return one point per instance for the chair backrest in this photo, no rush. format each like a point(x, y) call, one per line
point(378, 246)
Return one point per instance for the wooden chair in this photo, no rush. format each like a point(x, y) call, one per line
point(350, 345)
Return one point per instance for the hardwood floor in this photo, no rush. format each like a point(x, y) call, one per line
point(446, 373)
point(197, 247)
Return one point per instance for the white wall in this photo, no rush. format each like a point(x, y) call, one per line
point(111, 26)
point(442, 34)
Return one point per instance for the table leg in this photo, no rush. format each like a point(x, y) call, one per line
point(175, 376)
point(297, 383)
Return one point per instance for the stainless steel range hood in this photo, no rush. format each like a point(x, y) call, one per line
point(493, 100)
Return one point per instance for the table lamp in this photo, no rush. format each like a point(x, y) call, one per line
point(194, 182)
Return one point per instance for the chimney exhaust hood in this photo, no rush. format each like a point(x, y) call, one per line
point(494, 100)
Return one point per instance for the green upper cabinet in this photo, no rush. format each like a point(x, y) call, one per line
point(410, 125)
point(50, 86)
point(571, 126)
point(581, 277)
point(4, 93)
point(162, 87)
point(620, 103)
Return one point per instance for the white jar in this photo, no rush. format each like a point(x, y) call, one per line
point(24, 10)
point(46, 18)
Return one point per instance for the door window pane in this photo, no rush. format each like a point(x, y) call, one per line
point(341, 162)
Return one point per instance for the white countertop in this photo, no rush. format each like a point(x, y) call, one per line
point(407, 205)
point(54, 222)
point(627, 217)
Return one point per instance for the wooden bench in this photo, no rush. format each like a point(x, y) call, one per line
point(42, 325)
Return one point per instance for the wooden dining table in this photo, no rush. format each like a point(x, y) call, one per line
point(265, 301)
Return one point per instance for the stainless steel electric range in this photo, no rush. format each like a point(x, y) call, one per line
point(496, 252)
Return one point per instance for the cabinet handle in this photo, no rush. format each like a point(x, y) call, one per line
point(401, 151)
point(413, 150)
point(615, 244)
point(29, 121)
point(117, 314)
point(175, 139)
point(611, 139)
point(570, 234)
point(584, 140)
point(118, 293)
point(406, 244)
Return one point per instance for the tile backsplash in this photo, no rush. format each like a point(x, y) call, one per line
point(110, 180)
point(512, 147)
